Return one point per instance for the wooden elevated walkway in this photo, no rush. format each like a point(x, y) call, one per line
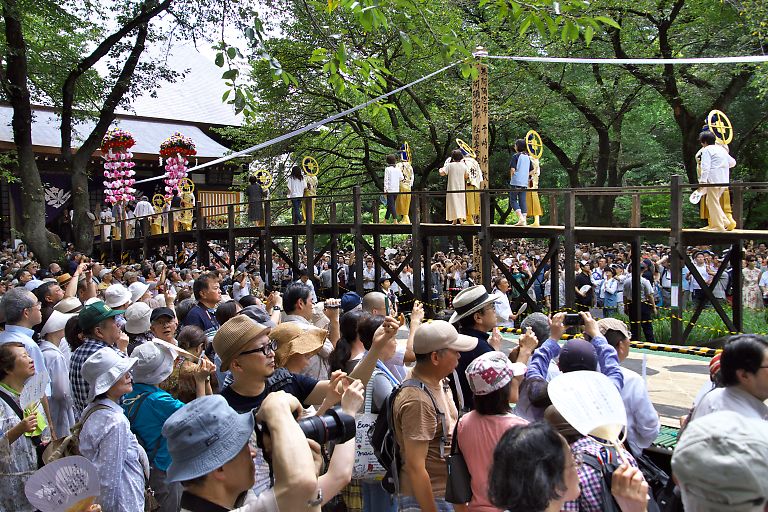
point(336, 221)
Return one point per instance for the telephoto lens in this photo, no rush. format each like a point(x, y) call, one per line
point(335, 426)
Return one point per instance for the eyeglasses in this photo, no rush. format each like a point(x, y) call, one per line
point(267, 349)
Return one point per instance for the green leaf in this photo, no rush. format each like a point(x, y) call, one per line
point(607, 21)
point(540, 28)
point(230, 74)
point(226, 95)
point(526, 23)
point(231, 52)
point(589, 32)
point(219, 59)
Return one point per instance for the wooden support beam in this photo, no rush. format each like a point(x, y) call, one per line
point(231, 233)
point(676, 259)
point(635, 221)
point(554, 275)
point(416, 239)
point(358, 231)
point(708, 296)
point(268, 246)
point(735, 256)
point(570, 249)
point(334, 255)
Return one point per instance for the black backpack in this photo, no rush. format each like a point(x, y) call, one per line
point(606, 465)
point(383, 440)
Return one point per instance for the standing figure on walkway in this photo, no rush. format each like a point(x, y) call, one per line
point(715, 168)
point(392, 179)
point(474, 180)
point(751, 294)
point(403, 201)
point(187, 213)
point(532, 197)
point(296, 187)
point(256, 195)
point(310, 191)
point(519, 168)
point(455, 203)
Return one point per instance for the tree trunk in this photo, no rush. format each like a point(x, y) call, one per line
point(82, 224)
point(45, 245)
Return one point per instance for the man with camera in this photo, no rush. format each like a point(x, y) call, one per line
point(211, 457)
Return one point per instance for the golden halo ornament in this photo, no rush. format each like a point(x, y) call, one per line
point(719, 124)
point(533, 144)
point(405, 152)
point(186, 186)
point(263, 178)
point(466, 148)
point(158, 200)
point(310, 166)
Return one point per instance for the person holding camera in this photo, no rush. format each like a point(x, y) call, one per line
point(211, 456)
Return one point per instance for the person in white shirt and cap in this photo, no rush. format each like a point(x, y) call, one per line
point(721, 463)
point(106, 438)
point(60, 400)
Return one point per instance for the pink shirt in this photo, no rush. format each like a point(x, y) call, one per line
point(478, 436)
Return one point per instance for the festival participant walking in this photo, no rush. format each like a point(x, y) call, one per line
point(519, 168)
point(715, 168)
point(455, 204)
point(490, 377)
point(18, 458)
point(256, 195)
point(296, 187)
point(424, 416)
point(106, 438)
point(392, 178)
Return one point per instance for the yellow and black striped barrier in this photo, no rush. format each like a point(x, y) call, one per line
point(678, 349)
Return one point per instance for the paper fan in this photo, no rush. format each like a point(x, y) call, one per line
point(585, 288)
point(69, 484)
point(590, 402)
point(696, 196)
point(522, 308)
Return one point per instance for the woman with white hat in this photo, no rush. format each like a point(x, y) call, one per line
point(147, 407)
point(106, 438)
point(60, 401)
point(137, 324)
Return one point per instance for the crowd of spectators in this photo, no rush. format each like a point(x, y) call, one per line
point(191, 380)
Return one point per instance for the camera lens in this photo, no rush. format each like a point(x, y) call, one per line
point(334, 426)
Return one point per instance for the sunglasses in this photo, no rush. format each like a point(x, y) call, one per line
point(267, 349)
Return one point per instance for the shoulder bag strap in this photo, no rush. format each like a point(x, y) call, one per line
point(12, 403)
point(443, 422)
point(132, 413)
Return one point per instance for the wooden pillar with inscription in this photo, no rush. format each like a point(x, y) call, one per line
point(480, 142)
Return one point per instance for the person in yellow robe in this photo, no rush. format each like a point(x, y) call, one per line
point(403, 201)
point(725, 199)
point(309, 191)
point(532, 197)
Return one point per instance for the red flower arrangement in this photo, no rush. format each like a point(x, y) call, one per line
point(177, 144)
point(117, 138)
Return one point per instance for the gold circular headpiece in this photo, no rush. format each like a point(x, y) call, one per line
point(533, 144)
point(719, 124)
point(310, 166)
point(466, 148)
point(263, 178)
point(186, 186)
point(158, 200)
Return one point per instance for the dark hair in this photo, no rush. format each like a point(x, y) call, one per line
point(420, 358)
point(528, 468)
point(293, 293)
point(147, 270)
point(366, 328)
point(457, 155)
point(7, 357)
point(226, 310)
point(348, 325)
point(73, 333)
point(248, 300)
point(520, 146)
point(190, 337)
point(614, 337)
point(707, 137)
point(252, 180)
point(296, 172)
point(202, 283)
point(43, 290)
point(183, 307)
point(496, 402)
point(468, 322)
point(742, 352)
point(391, 159)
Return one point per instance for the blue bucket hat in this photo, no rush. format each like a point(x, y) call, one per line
point(350, 301)
point(204, 435)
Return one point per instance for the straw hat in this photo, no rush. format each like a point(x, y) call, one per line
point(295, 338)
point(233, 336)
point(469, 300)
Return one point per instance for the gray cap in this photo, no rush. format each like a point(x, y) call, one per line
point(721, 462)
point(204, 435)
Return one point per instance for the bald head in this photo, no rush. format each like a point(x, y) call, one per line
point(373, 303)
